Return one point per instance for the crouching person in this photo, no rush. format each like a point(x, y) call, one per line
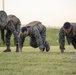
point(37, 33)
point(68, 30)
point(12, 25)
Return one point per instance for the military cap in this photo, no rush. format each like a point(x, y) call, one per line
point(3, 18)
point(67, 25)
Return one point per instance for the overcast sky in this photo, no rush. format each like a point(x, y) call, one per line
point(49, 12)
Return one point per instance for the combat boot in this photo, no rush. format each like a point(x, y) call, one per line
point(62, 51)
point(7, 50)
point(17, 49)
point(47, 46)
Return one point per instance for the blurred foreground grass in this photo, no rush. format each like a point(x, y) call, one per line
point(31, 62)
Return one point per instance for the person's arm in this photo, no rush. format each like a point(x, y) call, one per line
point(38, 38)
point(61, 39)
point(2, 36)
point(69, 40)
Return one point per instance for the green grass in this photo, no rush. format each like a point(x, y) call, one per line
point(52, 35)
point(31, 62)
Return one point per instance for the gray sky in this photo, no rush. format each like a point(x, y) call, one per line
point(52, 13)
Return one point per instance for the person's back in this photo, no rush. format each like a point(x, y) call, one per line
point(12, 18)
point(35, 23)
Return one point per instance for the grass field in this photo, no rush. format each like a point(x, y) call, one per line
point(31, 62)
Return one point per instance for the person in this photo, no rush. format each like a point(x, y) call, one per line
point(68, 30)
point(12, 25)
point(37, 33)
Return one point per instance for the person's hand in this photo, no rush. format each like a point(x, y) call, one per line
point(41, 51)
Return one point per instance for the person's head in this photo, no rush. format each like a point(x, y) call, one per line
point(67, 27)
point(3, 19)
point(25, 31)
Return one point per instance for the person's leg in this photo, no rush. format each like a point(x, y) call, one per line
point(43, 36)
point(16, 42)
point(7, 40)
point(46, 44)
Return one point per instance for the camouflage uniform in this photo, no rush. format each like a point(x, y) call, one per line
point(12, 26)
point(3, 19)
point(71, 37)
point(37, 36)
